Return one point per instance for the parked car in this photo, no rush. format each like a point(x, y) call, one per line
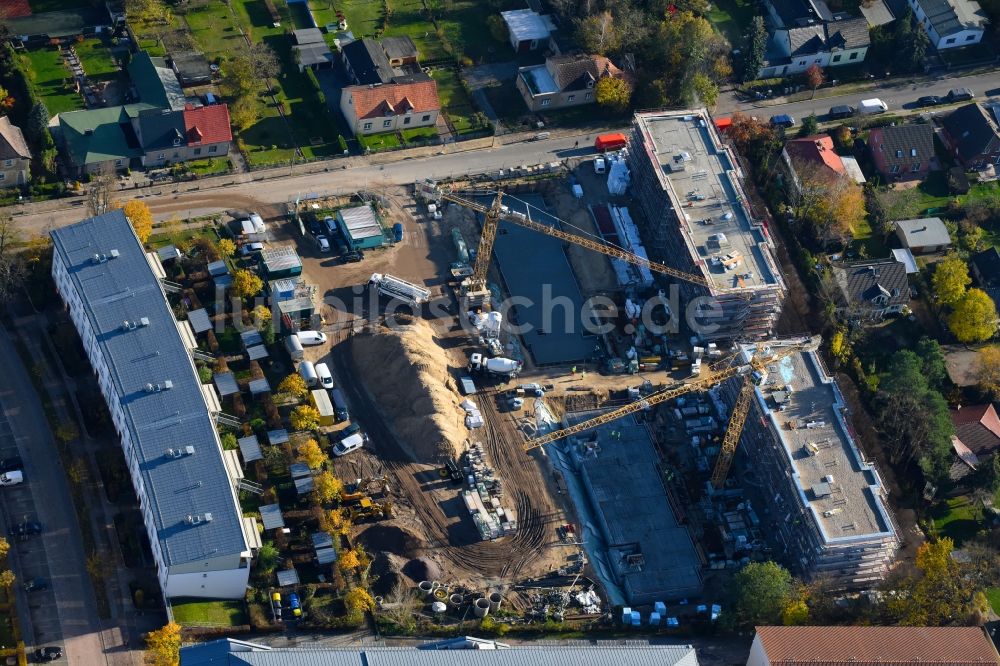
point(12, 478)
point(348, 444)
point(353, 257)
point(349, 430)
point(324, 375)
point(599, 165)
point(928, 100)
point(311, 338)
point(36, 585)
point(397, 232)
point(47, 654)
point(251, 248)
point(783, 120)
point(10, 464)
point(314, 228)
point(960, 95)
point(841, 111)
point(323, 243)
point(25, 529)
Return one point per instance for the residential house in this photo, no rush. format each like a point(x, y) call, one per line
point(563, 81)
point(390, 107)
point(794, 49)
point(812, 157)
point(164, 417)
point(365, 62)
point(869, 290)
point(951, 23)
point(528, 30)
point(169, 137)
point(474, 652)
point(874, 646)
point(15, 158)
point(903, 152)
point(101, 140)
point(977, 433)
point(154, 82)
point(927, 234)
point(192, 68)
point(311, 50)
point(973, 135)
point(400, 50)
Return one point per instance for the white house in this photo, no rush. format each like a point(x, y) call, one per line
point(141, 357)
point(844, 40)
point(951, 23)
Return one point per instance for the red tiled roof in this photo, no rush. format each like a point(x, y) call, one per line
point(818, 150)
point(978, 428)
point(207, 124)
point(394, 98)
point(885, 646)
point(12, 9)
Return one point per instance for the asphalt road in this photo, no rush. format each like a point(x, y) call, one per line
point(357, 175)
point(895, 93)
point(66, 614)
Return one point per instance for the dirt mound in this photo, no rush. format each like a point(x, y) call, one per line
point(386, 574)
point(421, 568)
point(390, 539)
point(408, 376)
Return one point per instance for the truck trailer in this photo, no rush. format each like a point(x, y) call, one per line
point(394, 287)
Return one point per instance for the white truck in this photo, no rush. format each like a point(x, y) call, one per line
point(872, 106)
point(394, 287)
point(502, 367)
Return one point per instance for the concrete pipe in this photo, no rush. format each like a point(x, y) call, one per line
point(426, 588)
point(455, 600)
point(435, 585)
point(441, 594)
point(495, 599)
point(481, 608)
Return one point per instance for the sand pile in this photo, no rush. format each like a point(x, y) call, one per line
point(408, 375)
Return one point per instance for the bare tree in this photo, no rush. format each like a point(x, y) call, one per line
point(12, 268)
point(101, 192)
point(265, 61)
point(400, 606)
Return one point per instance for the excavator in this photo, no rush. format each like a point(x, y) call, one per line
point(753, 371)
point(362, 488)
point(367, 509)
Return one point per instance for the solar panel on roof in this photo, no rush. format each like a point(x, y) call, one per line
point(199, 320)
point(270, 516)
point(258, 386)
point(250, 448)
point(226, 383)
point(257, 352)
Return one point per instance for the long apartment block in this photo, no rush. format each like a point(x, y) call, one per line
point(825, 506)
point(697, 220)
point(142, 359)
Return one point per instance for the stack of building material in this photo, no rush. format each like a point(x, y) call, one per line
point(618, 173)
point(629, 235)
point(473, 417)
point(482, 499)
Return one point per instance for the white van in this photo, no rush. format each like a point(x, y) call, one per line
point(11, 478)
point(311, 338)
point(868, 107)
point(599, 165)
point(324, 375)
point(308, 372)
point(348, 444)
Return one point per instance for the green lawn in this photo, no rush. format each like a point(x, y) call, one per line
point(993, 595)
point(419, 135)
point(732, 18)
point(465, 28)
point(208, 167)
point(214, 29)
point(379, 141)
point(198, 612)
point(299, 15)
point(956, 518)
point(408, 18)
point(97, 60)
point(454, 100)
point(50, 76)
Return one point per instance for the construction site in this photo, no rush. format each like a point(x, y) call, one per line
point(566, 460)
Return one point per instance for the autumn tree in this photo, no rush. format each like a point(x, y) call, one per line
point(950, 279)
point(938, 594)
point(7, 578)
point(335, 522)
point(359, 600)
point(12, 265)
point(225, 247)
point(311, 454)
point(974, 317)
point(327, 487)
point(304, 417)
point(140, 216)
point(759, 592)
point(684, 62)
point(988, 374)
point(598, 33)
point(261, 316)
point(756, 140)
point(832, 204)
point(246, 283)
point(4, 548)
point(163, 646)
point(815, 77)
point(348, 560)
point(244, 112)
point(756, 48)
point(147, 11)
point(613, 93)
point(293, 385)
point(100, 192)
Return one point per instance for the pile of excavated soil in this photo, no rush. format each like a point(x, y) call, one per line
point(421, 568)
point(386, 574)
point(391, 539)
point(407, 374)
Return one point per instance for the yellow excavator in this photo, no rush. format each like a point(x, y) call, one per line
point(368, 509)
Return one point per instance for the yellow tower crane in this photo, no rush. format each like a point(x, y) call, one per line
point(474, 287)
point(726, 368)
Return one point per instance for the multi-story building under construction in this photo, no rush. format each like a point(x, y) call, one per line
point(697, 219)
point(821, 504)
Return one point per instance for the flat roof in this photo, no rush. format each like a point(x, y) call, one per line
point(703, 182)
point(278, 259)
point(539, 80)
point(526, 25)
point(225, 382)
point(199, 320)
point(625, 486)
point(121, 288)
point(924, 232)
point(250, 448)
point(270, 516)
point(361, 221)
point(821, 450)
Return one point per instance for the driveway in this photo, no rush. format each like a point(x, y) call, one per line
point(66, 614)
